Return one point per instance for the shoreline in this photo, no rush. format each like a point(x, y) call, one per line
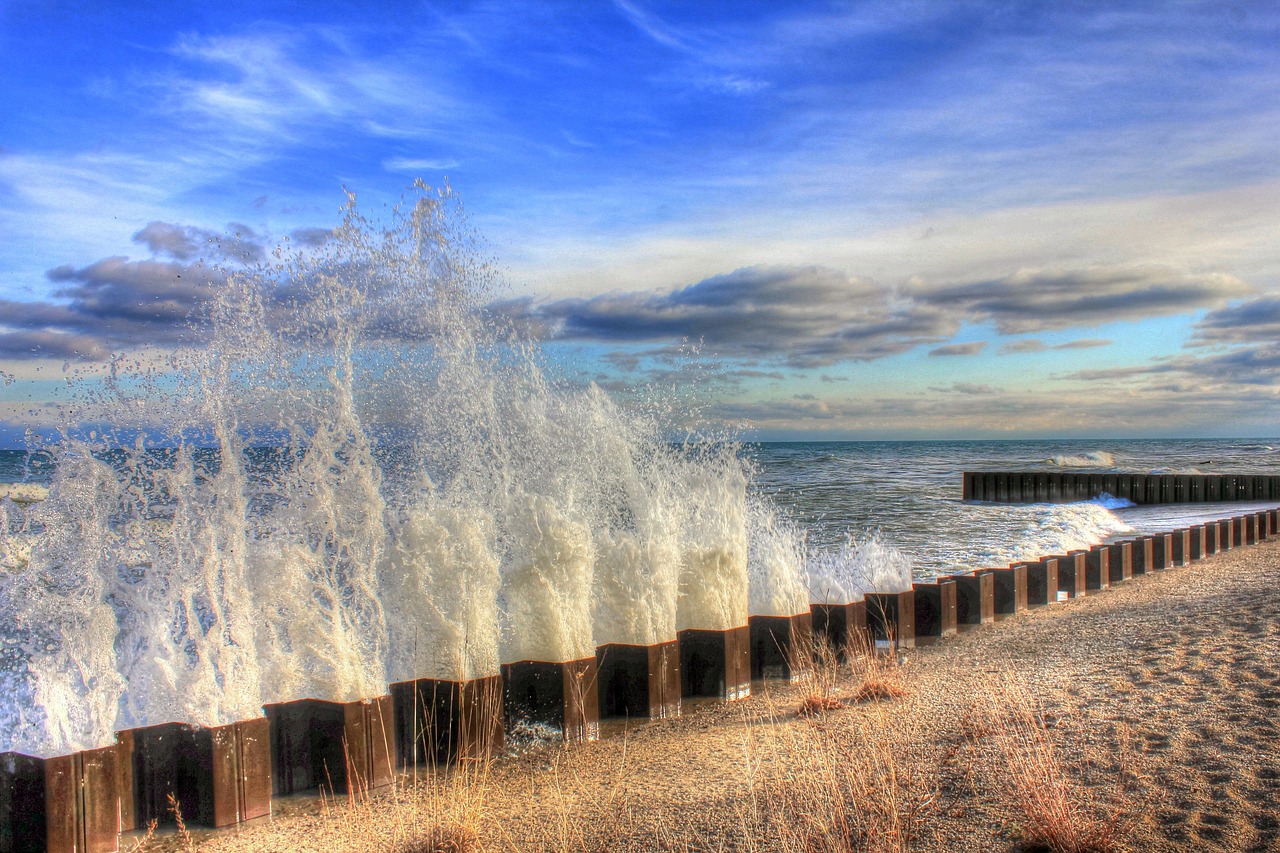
point(1161, 695)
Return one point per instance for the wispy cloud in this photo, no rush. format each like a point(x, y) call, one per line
point(971, 348)
point(1035, 300)
point(418, 165)
point(803, 316)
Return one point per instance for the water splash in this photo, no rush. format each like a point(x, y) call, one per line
point(1092, 459)
point(859, 566)
point(359, 475)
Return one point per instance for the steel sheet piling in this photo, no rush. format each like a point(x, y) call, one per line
point(1010, 589)
point(440, 722)
point(1097, 567)
point(844, 626)
point(935, 615)
point(561, 694)
point(65, 804)
point(219, 775)
point(1209, 539)
point(975, 599)
point(1142, 554)
point(639, 682)
point(1072, 574)
point(1195, 549)
point(1162, 551)
point(1119, 561)
point(23, 826)
point(1042, 582)
point(891, 618)
point(781, 646)
point(716, 663)
point(338, 747)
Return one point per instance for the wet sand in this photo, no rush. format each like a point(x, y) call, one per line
point(1161, 698)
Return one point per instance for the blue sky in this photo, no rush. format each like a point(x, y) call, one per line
point(910, 219)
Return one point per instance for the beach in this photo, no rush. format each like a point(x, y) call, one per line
point(1157, 700)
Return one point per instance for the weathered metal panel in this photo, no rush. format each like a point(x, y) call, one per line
point(975, 599)
point(1010, 589)
point(1042, 582)
point(781, 646)
point(440, 722)
point(891, 617)
point(1120, 561)
point(935, 608)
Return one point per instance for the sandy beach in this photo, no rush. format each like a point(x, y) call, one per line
point(1159, 702)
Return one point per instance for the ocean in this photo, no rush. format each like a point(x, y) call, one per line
point(908, 493)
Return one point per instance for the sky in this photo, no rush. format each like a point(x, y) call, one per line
point(875, 220)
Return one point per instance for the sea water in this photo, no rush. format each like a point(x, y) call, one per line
point(362, 475)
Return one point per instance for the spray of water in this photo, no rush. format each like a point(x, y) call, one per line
point(358, 474)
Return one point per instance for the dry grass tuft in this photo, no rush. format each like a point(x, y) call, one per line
point(188, 843)
point(813, 706)
point(859, 781)
point(445, 838)
point(820, 683)
point(1061, 813)
point(878, 675)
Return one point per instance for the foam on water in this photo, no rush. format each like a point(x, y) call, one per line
point(1051, 529)
point(859, 566)
point(1092, 459)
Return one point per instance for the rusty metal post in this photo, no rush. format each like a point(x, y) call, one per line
point(1226, 534)
point(1042, 582)
point(935, 615)
point(338, 747)
point(440, 722)
point(1119, 561)
point(891, 618)
point(219, 776)
point(66, 804)
point(1195, 550)
point(23, 828)
point(560, 694)
point(975, 599)
point(715, 663)
point(1142, 554)
point(1097, 568)
point(1072, 574)
point(781, 646)
point(1210, 543)
point(1010, 589)
point(639, 682)
point(1181, 546)
point(843, 625)
point(1162, 551)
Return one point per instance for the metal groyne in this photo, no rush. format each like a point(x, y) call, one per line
point(225, 775)
point(1068, 487)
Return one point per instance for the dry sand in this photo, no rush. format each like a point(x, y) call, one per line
point(1161, 697)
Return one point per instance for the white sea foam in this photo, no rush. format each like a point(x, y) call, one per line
point(857, 567)
point(778, 585)
point(1092, 459)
